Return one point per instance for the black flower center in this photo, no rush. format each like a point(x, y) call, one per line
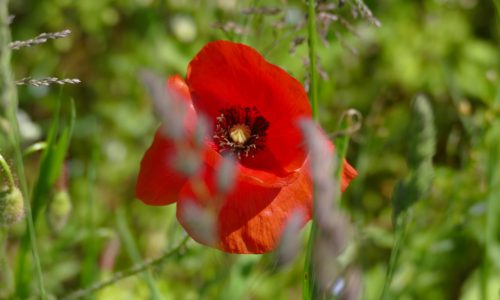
point(241, 130)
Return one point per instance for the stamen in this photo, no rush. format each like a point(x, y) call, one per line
point(241, 131)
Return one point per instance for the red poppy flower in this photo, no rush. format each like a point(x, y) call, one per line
point(254, 107)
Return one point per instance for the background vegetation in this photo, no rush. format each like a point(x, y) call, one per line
point(447, 50)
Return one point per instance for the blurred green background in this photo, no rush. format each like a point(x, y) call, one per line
point(445, 49)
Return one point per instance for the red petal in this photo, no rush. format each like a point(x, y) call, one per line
point(225, 74)
point(258, 177)
point(177, 85)
point(253, 217)
point(158, 182)
point(180, 92)
point(348, 174)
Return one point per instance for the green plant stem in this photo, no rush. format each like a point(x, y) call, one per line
point(9, 101)
point(346, 127)
point(90, 268)
point(8, 173)
point(400, 236)
point(312, 42)
point(310, 289)
point(127, 273)
point(133, 252)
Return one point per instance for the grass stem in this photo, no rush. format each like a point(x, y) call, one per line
point(9, 101)
point(127, 273)
point(133, 252)
point(400, 236)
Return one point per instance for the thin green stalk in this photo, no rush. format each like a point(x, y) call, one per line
point(90, 269)
point(127, 273)
point(9, 101)
point(7, 172)
point(407, 192)
point(350, 122)
point(400, 236)
point(133, 252)
point(310, 289)
point(312, 42)
point(50, 167)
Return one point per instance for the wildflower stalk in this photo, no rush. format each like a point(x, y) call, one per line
point(310, 288)
point(127, 273)
point(47, 81)
point(399, 238)
point(407, 192)
point(133, 252)
point(90, 268)
point(312, 42)
point(350, 122)
point(9, 102)
point(40, 39)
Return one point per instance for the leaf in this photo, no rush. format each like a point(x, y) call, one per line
point(52, 159)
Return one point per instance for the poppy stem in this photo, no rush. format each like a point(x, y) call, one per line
point(127, 273)
point(310, 288)
point(312, 41)
point(8, 98)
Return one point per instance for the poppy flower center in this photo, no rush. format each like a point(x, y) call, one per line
point(239, 133)
point(241, 130)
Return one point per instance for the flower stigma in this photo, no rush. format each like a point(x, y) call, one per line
point(239, 133)
point(241, 130)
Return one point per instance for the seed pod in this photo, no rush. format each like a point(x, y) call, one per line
point(11, 207)
point(422, 145)
point(58, 211)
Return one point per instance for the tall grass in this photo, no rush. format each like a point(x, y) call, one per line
point(421, 149)
point(9, 103)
